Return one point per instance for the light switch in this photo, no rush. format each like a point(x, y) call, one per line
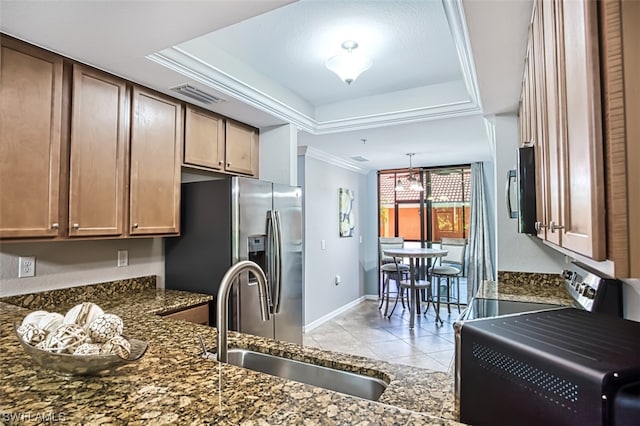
point(323, 245)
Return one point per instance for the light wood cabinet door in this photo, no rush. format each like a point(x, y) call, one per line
point(30, 129)
point(241, 149)
point(156, 141)
point(203, 139)
point(582, 220)
point(540, 145)
point(552, 149)
point(99, 124)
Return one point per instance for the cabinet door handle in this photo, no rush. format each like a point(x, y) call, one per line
point(553, 226)
point(539, 225)
point(220, 163)
point(135, 226)
point(76, 226)
point(55, 226)
point(228, 164)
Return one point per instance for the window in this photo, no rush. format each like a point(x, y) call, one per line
point(441, 210)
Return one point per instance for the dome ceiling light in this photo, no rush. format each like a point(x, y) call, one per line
point(348, 66)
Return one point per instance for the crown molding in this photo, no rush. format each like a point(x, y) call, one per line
point(311, 152)
point(450, 110)
point(454, 12)
point(183, 62)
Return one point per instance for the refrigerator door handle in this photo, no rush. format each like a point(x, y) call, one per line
point(277, 284)
point(269, 264)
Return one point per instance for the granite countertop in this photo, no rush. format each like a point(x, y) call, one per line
point(172, 384)
point(527, 287)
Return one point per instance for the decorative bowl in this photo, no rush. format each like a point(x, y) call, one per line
point(82, 365)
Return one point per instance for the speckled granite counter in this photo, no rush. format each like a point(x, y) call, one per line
point(172, 384)
point(527, 287)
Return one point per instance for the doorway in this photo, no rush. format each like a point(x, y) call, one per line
point(441, 208)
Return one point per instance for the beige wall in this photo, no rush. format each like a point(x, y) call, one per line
point(73, 263)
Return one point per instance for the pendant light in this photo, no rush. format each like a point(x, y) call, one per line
point(413, 181)
point(348, 66)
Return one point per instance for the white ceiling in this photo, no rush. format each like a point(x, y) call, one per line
point(438, 65)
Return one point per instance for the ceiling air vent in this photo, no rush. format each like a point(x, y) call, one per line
point(197, 94)
point(359, 158)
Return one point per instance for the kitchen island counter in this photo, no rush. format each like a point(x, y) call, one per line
point(173, 384)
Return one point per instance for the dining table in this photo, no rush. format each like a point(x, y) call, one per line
point(414, 254)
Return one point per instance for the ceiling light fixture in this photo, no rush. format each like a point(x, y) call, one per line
point(413, 181)
point(348, 66)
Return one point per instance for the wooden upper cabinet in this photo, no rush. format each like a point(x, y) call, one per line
point(551, 121)
point(567, 126)
point(156, 141)
point(241, 149)
point(582, 176)
point(30, 132)
point(203, 139)
point(99, 125)
point(537, 59)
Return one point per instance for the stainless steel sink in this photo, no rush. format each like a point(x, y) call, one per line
point(328, 378)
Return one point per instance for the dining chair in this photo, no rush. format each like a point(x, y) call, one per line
point(390, 268)
point(450, 266)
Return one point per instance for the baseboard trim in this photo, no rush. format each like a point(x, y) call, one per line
point(317, 323)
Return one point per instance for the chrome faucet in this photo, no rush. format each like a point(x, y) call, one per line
point(222, 318)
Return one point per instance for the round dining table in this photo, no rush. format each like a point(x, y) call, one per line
point(414, 253)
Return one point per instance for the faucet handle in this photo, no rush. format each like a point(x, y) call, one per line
point(205, 353)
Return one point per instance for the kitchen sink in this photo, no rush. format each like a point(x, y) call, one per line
point(328, 378)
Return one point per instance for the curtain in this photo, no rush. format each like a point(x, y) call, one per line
point(479, 250)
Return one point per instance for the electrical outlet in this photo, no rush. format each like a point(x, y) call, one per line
point(27, 266)
point(123, 258)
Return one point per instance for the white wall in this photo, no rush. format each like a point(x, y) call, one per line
point(340, 256)
point(370, 259)
point(515, 251)
point(278, 154)
point(66, 264)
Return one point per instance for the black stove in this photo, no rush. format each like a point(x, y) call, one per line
point(519, 355)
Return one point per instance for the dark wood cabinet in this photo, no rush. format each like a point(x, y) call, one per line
point(222, 145)
point(204, 139)
point(99, 142)
point(30, 140)
point(156, 143)
point(241, 149)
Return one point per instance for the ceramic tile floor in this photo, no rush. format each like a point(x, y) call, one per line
point(364, 331)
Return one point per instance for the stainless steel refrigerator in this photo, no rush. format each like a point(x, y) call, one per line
point(228, 220)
